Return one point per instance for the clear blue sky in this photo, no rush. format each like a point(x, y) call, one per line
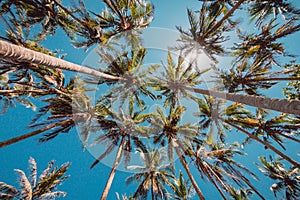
point(85, 183)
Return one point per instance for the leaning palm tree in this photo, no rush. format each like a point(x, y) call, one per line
point(17, 53)
point(32, 187)
point(286, 179)
point(68, 107)
point(152, 176)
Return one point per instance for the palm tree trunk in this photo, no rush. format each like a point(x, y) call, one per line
point(281, 105)
point(245, 180)
point(203, 167)
point(13, 52)
point(287, 158)
point(186, 167)
point(28, 135)
point(230, 12)
point(113, 170)
point(271, 79)
point(152, 188)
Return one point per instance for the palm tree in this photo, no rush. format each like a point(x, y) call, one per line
point(124, 128)
point(133, 76)
point(70, 107)
point(247, 78)
point(152, 176)
point(32, 187)
point(277, 128)
point(206, 32)
point(171, 82)
point(17, 53)
point(287, 179)
point(234, 116)
point(260, 10)
point(178, 137)
point(181, 188)
point(263, 47)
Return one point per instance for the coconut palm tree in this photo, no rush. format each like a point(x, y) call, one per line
point(122, 130)
point(17, 53)
point(276, 128)
point(286, 179)
point(152, 176)
point(234, 116)
point(178, 137)
point(128, 66)
point(32, 187)
point(263, 47)
point(206, 31)
point(260, 10)
point(172, 80)
point(70, 107)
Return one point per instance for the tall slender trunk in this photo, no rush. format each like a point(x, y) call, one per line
point(28, 135)
point(13, 52)
point(230, 12)
point(152, 188)
point(245, 180)
point(204, 166)
point(113, 171)
point(287, 158)
point(250, 80)
point(281, 105)
point(186, 167)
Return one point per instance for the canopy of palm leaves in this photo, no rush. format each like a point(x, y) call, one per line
point(34, 187)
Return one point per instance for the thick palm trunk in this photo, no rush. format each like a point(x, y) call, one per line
point(13, 52)
point(28, 135)
point(281, 105)
point(113, 171)
point(287, 158)
point(186, 167)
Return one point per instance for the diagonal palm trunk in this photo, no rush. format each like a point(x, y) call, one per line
point(13, 52)
point(281, 105)
point(284, 156)
point(113, 170)
point(28, 135)
point(187, 169)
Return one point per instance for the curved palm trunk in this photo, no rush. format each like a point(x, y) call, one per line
point(113, 171)
point(28, 135)
point(271, 79)
point(281, 105)
point(186, 167)
point(13, 52)
point(287, 158)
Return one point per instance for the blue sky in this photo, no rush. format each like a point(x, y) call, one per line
point(85, 183)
